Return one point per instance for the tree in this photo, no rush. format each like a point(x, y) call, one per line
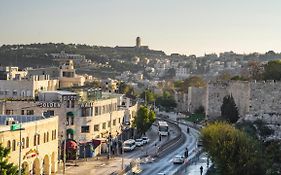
point(232, 151)
point(194, 81)
point(272, 71)
point(167, 101)
point(200, 110)
point(6, 168)
point(229, 110)
point(148, 96)
point(144, 119)
point(126, 89)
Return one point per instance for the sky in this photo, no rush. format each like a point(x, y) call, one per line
point(174, 26)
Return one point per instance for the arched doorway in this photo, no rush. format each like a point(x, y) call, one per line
point(46, 165)
point(25, 168)
point(36, 167)
point(53, 165)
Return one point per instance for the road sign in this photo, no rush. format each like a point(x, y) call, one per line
point(15, 127)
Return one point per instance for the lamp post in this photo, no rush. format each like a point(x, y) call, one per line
point(20, 144)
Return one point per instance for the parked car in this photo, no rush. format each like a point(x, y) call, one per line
point(129, 145)
point(178, 159)
point(139, 142)
point(145, 140)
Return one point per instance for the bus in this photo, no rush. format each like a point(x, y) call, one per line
point(163, 128)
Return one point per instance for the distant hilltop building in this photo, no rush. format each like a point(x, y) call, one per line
point(138, 46)
point(138, 42)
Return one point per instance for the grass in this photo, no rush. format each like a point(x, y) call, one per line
point(197, 118)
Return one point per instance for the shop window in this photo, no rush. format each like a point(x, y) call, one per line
point(85, 129)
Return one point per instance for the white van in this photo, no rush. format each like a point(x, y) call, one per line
point(129, 145)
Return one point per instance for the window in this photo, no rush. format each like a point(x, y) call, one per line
point(85, 129)
point(9, 112)
point(96, 111)
point(72, 104)
point(119, 120)
point(44, 137)
point(55, 135)
point(29, 112)
point(96, 127)
point(22, 112)
point(47, 136)
point(9, 144)
point(15, 93)
point(22, 143)
point(52, 134)
point(38, 139)
point(34, 140)
point(114, 122)
point(14, 145)
point(68, 103)
point(51, 112)
point(27, 142)
point(109, 124)
point(86, 112)
point(104, 125)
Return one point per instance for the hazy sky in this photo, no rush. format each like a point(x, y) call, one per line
point(184, 26)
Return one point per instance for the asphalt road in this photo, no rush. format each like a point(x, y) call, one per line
point(165, 164)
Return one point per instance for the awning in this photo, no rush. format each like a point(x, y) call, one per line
point(70, 114)
point(70, 131)
point(71, 144)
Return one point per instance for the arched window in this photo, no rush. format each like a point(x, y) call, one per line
point(9, 144)
point(14, 145)
point(38, 139)
point(22, 143)
point(44, 137)
point(47, 136)
point(27, 142)
point(55, 135)
point(34, 140)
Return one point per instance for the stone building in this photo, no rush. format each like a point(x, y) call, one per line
point(33, 141)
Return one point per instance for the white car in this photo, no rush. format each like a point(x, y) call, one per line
point(129, 145)
point(145, 140)
point(139, 142)
point(178, 159)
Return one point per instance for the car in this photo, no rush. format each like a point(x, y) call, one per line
point(145, 140)
point(129, 145)
point(139, 142)
point(178, 159)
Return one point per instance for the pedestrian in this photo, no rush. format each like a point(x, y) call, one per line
point(186, 153)
point(187, 130)
point(201, 170)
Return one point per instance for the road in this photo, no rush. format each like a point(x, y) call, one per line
point(165, 164)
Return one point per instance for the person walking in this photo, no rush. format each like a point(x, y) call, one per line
point(201, 170)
